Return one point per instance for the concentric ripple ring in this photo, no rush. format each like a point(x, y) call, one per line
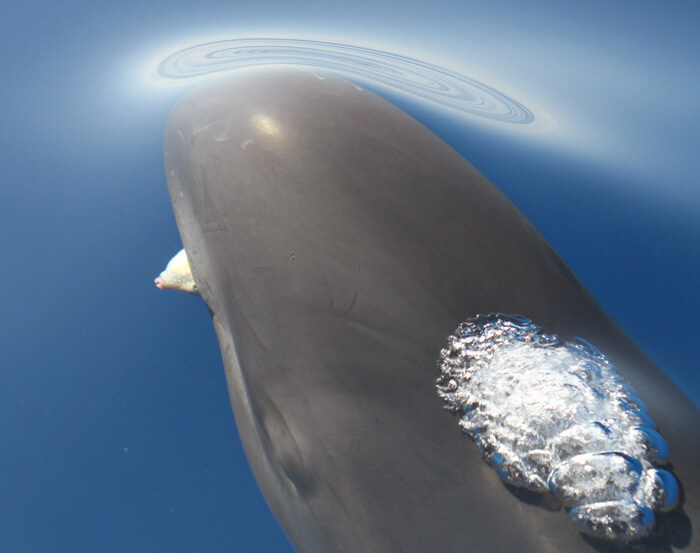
point(409, 75)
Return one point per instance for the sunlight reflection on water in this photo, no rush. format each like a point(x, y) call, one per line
point(424, 80)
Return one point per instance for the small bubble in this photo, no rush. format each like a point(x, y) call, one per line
point(584, 346)
point(583, 438)
point(658, 489)
point(514, 474)
point(635, 417)
point(614, 520)
point(633, 402)
point(594, 477)
point(652, 442)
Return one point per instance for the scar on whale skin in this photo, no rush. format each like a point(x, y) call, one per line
point(178, 275)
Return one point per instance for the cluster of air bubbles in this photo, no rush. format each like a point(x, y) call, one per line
point(557, 418)
point(409, 75)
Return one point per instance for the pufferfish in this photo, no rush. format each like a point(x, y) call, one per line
point(178, 275)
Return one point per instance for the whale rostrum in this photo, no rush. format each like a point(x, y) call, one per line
point(338, 244)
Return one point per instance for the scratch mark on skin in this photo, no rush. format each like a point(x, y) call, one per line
point(331, 305)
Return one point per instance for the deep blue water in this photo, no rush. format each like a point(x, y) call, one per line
point(116, 429)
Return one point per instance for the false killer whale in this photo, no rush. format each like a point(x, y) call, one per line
point(367, 284)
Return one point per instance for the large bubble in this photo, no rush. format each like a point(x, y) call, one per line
point(557, 418)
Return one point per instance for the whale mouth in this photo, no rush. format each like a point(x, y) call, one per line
point(556, 418)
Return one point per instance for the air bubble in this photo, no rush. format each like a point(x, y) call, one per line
point(658, 489)
point(582, 438)
point(595, 477)
point(513, 473)
point(652, 442)
point(614, 520)
point(557, 418)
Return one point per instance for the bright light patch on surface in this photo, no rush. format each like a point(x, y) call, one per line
point(433, 83)
point(266, 125)
point(557, 418)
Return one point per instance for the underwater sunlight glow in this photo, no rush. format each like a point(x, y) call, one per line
point(427, 81)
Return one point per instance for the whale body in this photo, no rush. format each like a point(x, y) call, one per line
point(338, 244)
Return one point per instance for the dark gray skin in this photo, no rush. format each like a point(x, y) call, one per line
point(337, 243)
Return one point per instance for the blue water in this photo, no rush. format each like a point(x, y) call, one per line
point(116, 429)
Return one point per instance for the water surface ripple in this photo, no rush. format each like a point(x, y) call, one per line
point(424, 80)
